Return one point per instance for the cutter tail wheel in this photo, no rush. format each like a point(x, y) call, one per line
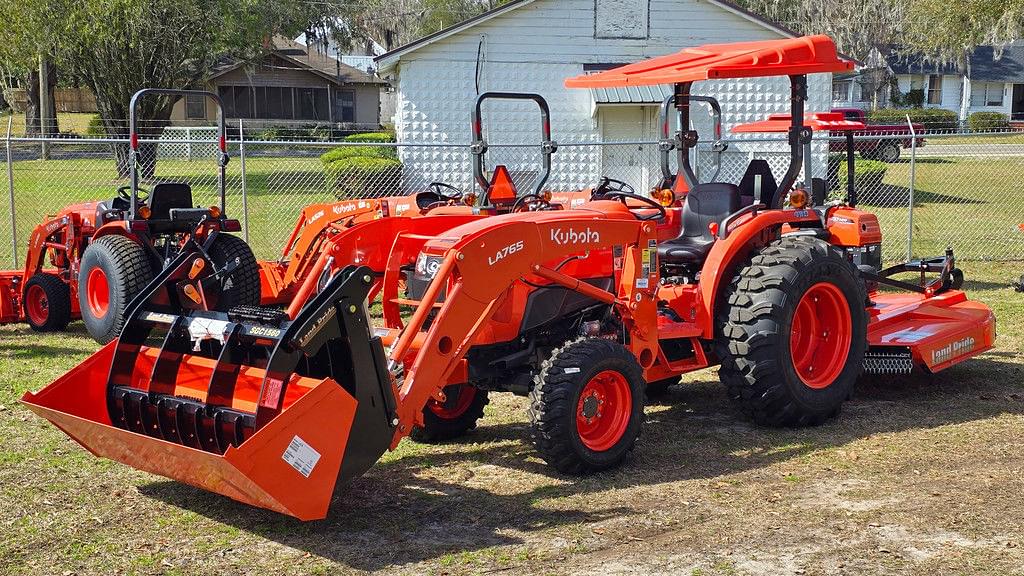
point(240, 286)
point(457, 415)
point(114, 270)
point(47, 303)
point(587, 406)
point(794, 333)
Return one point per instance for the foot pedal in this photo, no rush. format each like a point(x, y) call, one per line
point(888, 361)
point(258, 314)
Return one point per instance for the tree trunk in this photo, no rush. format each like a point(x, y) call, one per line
point(32, 109)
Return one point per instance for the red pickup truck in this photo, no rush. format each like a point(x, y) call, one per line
point(884, 149)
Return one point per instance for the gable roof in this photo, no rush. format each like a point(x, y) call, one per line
point(389, 59)
point(302, 57)
point(983, 64)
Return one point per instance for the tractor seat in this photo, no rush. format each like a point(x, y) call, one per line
point(168, 195)
point(706, 203)
point(427, 199)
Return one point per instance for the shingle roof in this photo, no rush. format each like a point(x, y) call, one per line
point(985, 65)
point(300, 55)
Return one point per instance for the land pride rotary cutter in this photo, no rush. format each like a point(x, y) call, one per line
point(578, 308)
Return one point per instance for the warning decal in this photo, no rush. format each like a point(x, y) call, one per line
point(301, 456)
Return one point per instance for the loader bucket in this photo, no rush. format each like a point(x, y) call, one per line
point(266, 410)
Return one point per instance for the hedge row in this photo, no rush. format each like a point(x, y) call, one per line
point(988, 121)
point(933, 119)
point(363, 170)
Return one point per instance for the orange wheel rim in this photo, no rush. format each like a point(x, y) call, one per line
point(451, 410)
point(819, 342)
point(603, 410)
point(97, 292)
point(37, 306)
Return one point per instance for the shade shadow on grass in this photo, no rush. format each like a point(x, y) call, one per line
point(889, 195)
point(399, 513)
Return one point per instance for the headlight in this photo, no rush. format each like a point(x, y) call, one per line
point(427, 266)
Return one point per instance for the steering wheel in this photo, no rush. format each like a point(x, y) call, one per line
point(437, 187)
point(607, 185)
point(623, 196)
point(532, 202)
point(125, 193)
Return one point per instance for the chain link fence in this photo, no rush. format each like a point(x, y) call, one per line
point(955, 189)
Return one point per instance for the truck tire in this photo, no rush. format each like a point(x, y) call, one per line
point(888, 152)
point(587, 406)
point(453, 418)
point(114, 270)
point(47, 303)
point(794, 330)
point(242, 286)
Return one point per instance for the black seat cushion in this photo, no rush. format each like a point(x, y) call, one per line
point(705, 204)
point(758, 167)
point(427, 199)
point(167, 195)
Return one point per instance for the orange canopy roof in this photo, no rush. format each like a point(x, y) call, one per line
point(804, 55)
point(834, 121)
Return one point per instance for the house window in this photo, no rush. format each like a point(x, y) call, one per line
point(275, 103)
point(195, 107)
point(621, 19)
point(986, 94)
point(311, 104)
point(345, 106)
point(935, 89)
point(841, 91)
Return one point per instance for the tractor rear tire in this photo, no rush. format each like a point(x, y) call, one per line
point(242, 286)
point(455, 417)
point(47, 303)
point(794, 333)
point(114, 270)
point(587, 406)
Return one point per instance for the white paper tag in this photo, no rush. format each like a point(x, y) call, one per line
point(301, 456)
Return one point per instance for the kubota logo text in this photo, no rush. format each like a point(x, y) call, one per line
point(952, 350)
point(570, 236)
point(505, 252)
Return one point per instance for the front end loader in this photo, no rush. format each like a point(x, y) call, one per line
point(582, 309)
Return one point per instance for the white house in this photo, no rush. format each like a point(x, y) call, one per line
point(532, 46)
point(992, 82)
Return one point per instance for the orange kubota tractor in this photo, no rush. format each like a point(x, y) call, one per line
point(578, 308)
point(92, 258)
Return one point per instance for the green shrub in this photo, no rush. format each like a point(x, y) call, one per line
point(914, 98)
point(371, 137)
point(933, 119)
point(95, 128)
point(357, 151)
point(867, 177)
point(988, 121)
point(363, 175)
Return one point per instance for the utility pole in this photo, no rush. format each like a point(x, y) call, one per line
point(44, 105)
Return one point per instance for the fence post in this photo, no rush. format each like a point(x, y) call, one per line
point(188, 143)
point(245, 194)
point(10, 193)
point(910, 207)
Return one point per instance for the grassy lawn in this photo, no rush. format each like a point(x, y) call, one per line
point(918, 475)
point(74, 122)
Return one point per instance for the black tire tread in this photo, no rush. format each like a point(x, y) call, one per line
point(436, 429)
point(136, 272)
point(757, 294)
point(552, 403)
point(245, 280)
point(58, 297)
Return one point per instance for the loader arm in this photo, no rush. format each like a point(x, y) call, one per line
point(481, 266)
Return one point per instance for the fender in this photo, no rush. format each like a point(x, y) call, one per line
point(119, 227)
point(725, 253)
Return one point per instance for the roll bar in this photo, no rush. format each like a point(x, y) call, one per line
point(798, 136)
point(133, 151)
point(666, 144)
point(479, 146)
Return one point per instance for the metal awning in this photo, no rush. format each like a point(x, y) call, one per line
point(631, 94)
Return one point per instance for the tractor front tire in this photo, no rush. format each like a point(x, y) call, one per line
point(242, 286)
point(47, 303)
point(794, 333)
point(587, 406)
point(463, 407)
point(114, 270)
